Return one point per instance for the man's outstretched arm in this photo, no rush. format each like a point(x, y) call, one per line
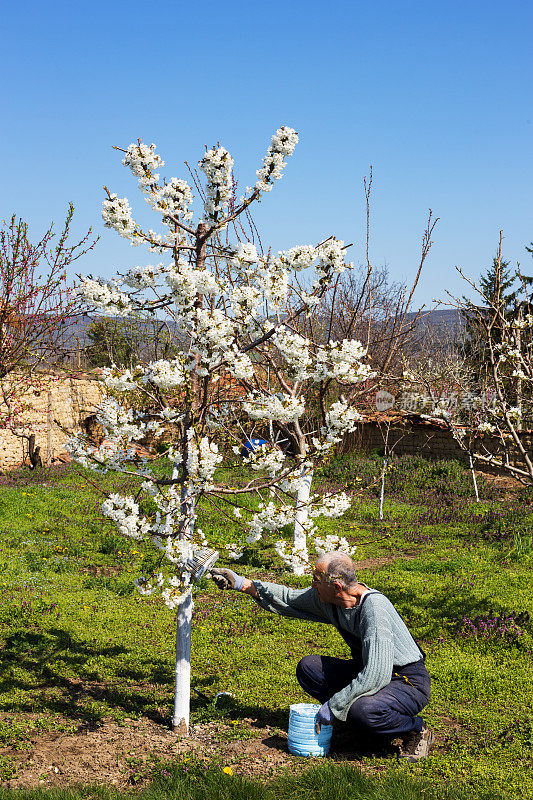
point(295, 603)
point(227, 579)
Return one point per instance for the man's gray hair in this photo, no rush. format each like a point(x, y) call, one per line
point(338, 566)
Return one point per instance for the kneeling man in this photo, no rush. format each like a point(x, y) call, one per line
point(385, 684)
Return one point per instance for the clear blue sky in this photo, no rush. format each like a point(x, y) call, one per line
point(436, 96)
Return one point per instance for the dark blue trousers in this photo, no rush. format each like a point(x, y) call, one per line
point(390, 712)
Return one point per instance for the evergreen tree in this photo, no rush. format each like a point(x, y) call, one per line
point(528, 279)
point(497, 285)
point(500, 291)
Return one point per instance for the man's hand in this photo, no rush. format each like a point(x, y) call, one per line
point(324, 716)
point(227, 579)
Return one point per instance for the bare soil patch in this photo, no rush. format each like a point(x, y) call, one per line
point(383, 561)
point(505, 484)
point(126, 755)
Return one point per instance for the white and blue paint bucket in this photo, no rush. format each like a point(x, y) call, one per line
point(303, 738)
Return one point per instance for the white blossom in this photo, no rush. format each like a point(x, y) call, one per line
point(246, 255)
point(293, 557)
point(213, 334)
point(332, 505)
point(295, 350)
point(202, 458)
point(144, 163)
point(105, 295)
point(79, 452)
point(143, 586)
point(116, 213)
point(165, 374)
point(114, 417)
point(177, 551)
point(124, 511)
point(268, 458)
point(340, 419)
point(186, 282)
point(298, 258)
point(486, 427)
point(234, 551)
point(331, 543)
point(175, 592)
point(245, 300)
point(273, 281)
point(121, 380)
point(282, 407)
point(342, 361)
point(330, 261)
point(282, 144)
point(239, 365)
point(142, 277)
point(217, 165)
point(174, 198)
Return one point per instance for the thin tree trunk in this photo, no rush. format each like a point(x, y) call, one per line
point(519, 379)
point(299, 552)
point(49, 430)
point(182, 696)
point(382, 492)
point(182, 676)
point(474, 481)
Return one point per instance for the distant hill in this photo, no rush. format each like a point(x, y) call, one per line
point(449, 317)
point(445, 321)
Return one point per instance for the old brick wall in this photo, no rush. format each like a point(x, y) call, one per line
point(426, 441)
point(54, 399)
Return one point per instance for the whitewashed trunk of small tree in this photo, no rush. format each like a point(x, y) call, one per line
point(474, 481)
point(299, 553)
point(182, 696)
point(382, 491)
point(182, 684)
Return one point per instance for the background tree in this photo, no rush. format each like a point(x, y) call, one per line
point(364, 305)
point(488, 411)
point(111, 341)
point(37, 310)
point(530, 251)
point(499, 285)
point(128, 341)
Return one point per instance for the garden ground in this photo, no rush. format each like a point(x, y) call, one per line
point(86, 688)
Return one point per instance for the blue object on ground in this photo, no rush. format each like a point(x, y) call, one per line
point(303, 739)
point(251, 445)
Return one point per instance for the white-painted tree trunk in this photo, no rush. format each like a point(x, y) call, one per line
point(182, 696)
point(382, 492)
point(299, 550)
point(182, 675)
point(474, 481)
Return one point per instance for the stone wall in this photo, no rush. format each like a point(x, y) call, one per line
point(54, 399)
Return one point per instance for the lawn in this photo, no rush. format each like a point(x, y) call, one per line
point(87, 664)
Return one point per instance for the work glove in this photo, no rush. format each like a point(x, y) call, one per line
point(324, 716)
point(227, 579)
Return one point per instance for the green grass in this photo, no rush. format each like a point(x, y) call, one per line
point(78, 645)
point(331, 780)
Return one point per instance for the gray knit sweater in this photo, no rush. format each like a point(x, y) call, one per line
point(385, 639)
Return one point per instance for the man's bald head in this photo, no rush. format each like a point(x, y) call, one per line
point(338, 567)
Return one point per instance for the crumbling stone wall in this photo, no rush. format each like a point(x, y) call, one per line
point(57, 403)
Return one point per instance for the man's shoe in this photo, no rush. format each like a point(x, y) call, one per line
point(415, 744)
